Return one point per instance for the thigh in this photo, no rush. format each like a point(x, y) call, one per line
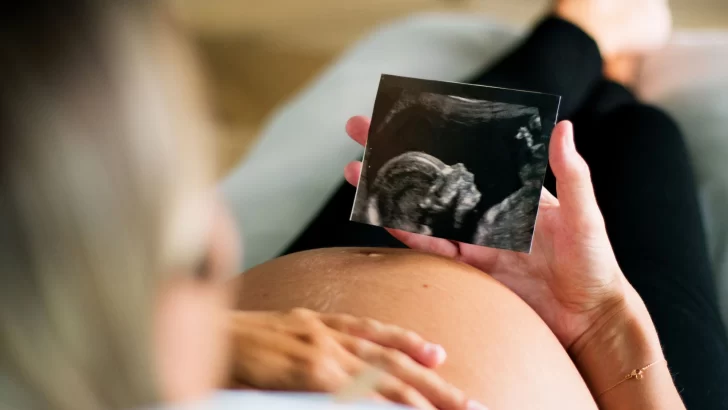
point(499, 350)
point(644, 184)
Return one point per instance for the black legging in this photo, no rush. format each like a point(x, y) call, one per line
point(645, 188)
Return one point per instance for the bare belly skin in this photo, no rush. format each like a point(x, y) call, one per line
point(499, 350)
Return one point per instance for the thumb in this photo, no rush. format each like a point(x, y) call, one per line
point(573, 179)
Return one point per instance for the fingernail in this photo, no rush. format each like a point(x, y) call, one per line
point(436, 351)
point(474, 405)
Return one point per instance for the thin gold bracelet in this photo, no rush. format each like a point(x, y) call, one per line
point(637, 374)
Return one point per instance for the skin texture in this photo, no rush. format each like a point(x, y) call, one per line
point(499, 351)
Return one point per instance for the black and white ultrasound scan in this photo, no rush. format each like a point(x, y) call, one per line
point(456, 161)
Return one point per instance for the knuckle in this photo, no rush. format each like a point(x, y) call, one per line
point(318, 372)
point(411, 338)
point(358, 347)
point(313, 338)
point(340, 322)
point(371, 325)
point(582, 168)
point(318, 337)
point(394, 358)
point(406, 393)
point(308, 319)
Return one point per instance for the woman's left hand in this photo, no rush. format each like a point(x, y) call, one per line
point(571, 278)
point(302, 350)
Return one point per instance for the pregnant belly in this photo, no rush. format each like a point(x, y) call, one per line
point(499, 350)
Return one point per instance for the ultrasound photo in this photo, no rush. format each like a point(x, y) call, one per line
point(456, 161)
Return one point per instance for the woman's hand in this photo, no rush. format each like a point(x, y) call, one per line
point(571, 278)
point(303, 350)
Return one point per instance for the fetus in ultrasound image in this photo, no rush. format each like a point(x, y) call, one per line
point(455, 161)
point(419, 193)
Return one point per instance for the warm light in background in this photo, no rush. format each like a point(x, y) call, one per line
point(259, 53)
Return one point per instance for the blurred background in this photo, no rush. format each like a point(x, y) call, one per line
point(257, 54)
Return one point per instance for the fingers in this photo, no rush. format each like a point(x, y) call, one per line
point(427, 244)
point(358, 129)
point(265, 358)
point(573, 180)
point(397, 391)
point(408, 376)
point(352, 172)
point(408, 342)
point(305, 354)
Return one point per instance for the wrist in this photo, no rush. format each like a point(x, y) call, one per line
point(622, 339)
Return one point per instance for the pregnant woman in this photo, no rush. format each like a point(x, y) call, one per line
point(566, 334)
point(595, 265)
point(112, 246)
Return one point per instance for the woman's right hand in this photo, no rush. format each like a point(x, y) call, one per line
point(572, 280)
point(302, 350)
point(571, 277)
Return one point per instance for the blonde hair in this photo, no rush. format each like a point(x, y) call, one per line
point(101, 194)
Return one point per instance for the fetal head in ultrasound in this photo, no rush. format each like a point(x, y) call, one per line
point(456, 161)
